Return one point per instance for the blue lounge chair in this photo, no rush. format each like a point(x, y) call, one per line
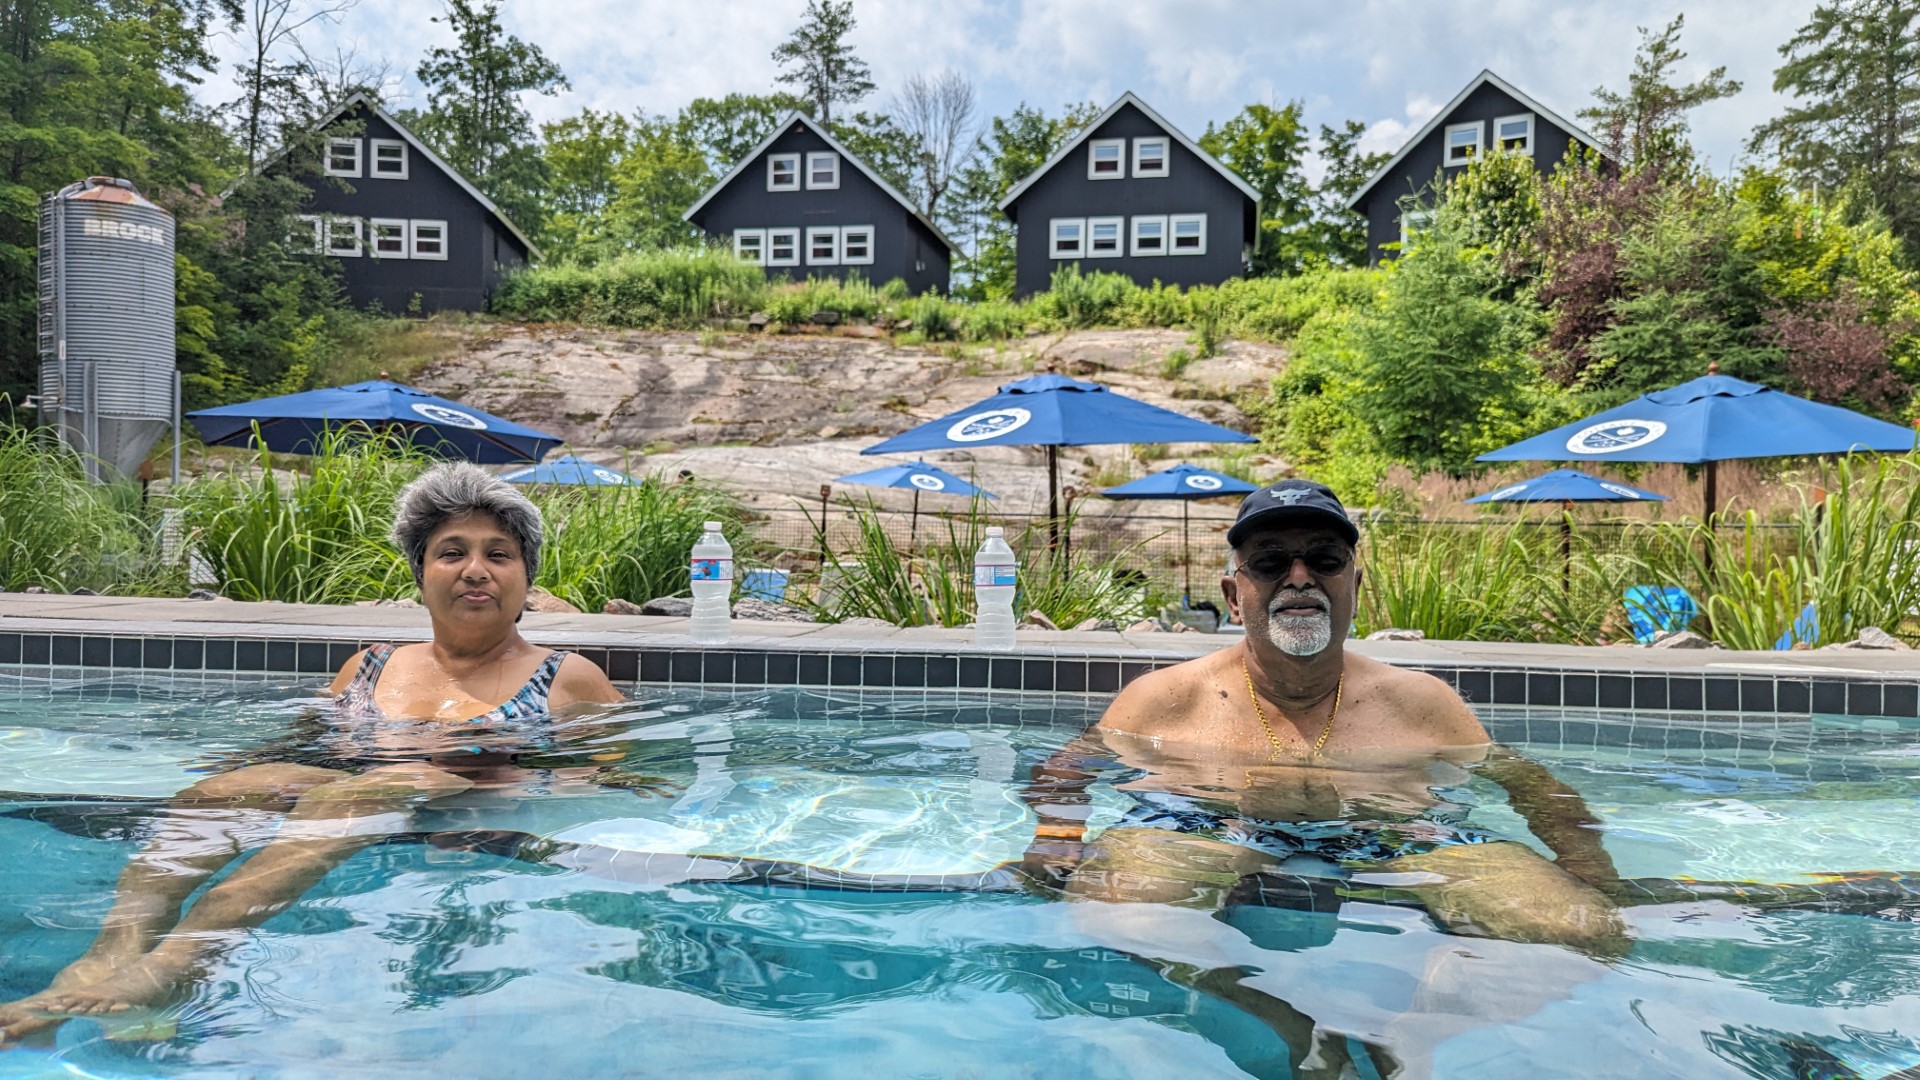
point(1653, 610)
point(1806, 627)
point(768, 585)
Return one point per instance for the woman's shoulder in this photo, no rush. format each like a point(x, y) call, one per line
point(356, 663)
point(580, 680)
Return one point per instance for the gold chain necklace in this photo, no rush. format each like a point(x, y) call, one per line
point(1338, 689)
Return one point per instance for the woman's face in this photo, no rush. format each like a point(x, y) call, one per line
point(473, 571)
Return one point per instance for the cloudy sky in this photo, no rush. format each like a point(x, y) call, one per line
point(1391, 63)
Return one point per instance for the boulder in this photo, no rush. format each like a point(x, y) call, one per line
point(1038, 619)
point(405, 601)
point(758, 321)
point(758, 610)
point(1872, 638)
point(204, 594)
point(677, 606)
point(37, 590)
point(1396, 634)
point(1683, 639)
point(84, 591)
point(1096, 624)
point(1144, 626)
point(539, 599)
point(617, 606)
point(824, 317)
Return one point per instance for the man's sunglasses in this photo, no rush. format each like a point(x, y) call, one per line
point(1271, 564)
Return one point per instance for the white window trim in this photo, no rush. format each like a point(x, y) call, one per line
point(1499, 120)
point(1119, 160)
point(1174, 220)
point(1479, 129)
point(374, 146)
point(776, 159)
point(793, 237)
point(1411, 220)
point(339, 225)
point(316, 239)
point(820, 156)
point(326, 161)
point(374, 225)
point(1053, 238)
point(849, 260)
point(1166, 155)
point(829, 233)
point(1119, 237)
point(1148, 219)
point(413, 239)
point(760, 254)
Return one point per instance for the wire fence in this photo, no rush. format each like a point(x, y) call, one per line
point(1150, 539)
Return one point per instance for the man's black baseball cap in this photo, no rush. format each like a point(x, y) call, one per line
point(1292, 502)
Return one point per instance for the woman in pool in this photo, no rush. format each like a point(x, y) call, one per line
point(473, 543)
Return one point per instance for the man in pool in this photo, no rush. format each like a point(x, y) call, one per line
point(1286, 753)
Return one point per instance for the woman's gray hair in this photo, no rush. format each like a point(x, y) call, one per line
point(455, 488)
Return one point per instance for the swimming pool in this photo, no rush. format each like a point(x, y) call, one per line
point(554, 933)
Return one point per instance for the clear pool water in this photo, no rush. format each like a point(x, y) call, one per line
point(577, 957)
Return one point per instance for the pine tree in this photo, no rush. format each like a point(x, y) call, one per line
point(827, 71)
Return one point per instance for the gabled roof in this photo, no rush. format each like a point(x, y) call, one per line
point(1485, 77)
point(1127, 98)
point(845, 154)
point(359, 99)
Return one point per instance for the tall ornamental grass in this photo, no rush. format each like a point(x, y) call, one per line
point(629, 542)
point(60, 531)
point(655, 289)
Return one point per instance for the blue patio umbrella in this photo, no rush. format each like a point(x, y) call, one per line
point(1711, 419)
point(1055, 411)
point(570, 470)
point(919, 476)
point(296, 423)
point(1186, 483)
point(1566, 487)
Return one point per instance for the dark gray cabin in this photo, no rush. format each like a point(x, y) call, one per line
point(1132, 195)
point(801, 206)
point(1489, 112)
point(408, 232)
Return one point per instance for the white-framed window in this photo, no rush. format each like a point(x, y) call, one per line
point(387, 238)
point(1150, 156)
point(823, 171)
point(344, 236)
point(1514, 134)
point(783, 172)
point(343, 157)
point(1066, 238)
point(1107, 159)
point(1412, 224)
point(303, 235)
point(428, 240)
point(750, 245)
point(1106, 237)
point(1150, 235)
point(388, 160)
point(823, 245)
point(1463, 143)
point(1187, 234)
point(783, 247)
point(856, 245)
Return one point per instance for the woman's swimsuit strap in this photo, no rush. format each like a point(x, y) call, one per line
point(529, 701)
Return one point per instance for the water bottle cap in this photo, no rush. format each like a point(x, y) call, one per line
point(995, 530)
point(713, 526)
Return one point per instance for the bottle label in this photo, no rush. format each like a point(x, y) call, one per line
point(712, 569)
point(994, 574)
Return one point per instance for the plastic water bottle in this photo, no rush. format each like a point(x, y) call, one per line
point(712, 571)
point(994, 571)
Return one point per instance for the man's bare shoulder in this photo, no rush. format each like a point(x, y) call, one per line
point(1165, 699)
point(1423, 703)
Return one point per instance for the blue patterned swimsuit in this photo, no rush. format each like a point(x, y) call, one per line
point(363, 733)
point(528, 703)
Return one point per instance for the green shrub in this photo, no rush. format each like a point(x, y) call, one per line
point(934, 317)
point(1157, 306)
point(679, 288)
point(1076, 300)
point(992, 320)
point(1175, 363)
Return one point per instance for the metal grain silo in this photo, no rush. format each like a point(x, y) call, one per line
point(107, 374)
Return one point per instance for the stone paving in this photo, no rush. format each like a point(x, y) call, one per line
point(123, 616)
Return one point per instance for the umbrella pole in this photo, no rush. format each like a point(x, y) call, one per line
point(1186, 557)
point(825, 491)
point(1053, 498)
point(1566, 548)
point(1712, 499)
point(913, 521)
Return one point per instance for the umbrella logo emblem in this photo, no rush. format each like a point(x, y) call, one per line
point(927, 483)
point(609, 476)
point(1204, 483)
point(1623, 492)
point(441, 414)
point(1615, 436)
point(1507, 492)
point(987, 425)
